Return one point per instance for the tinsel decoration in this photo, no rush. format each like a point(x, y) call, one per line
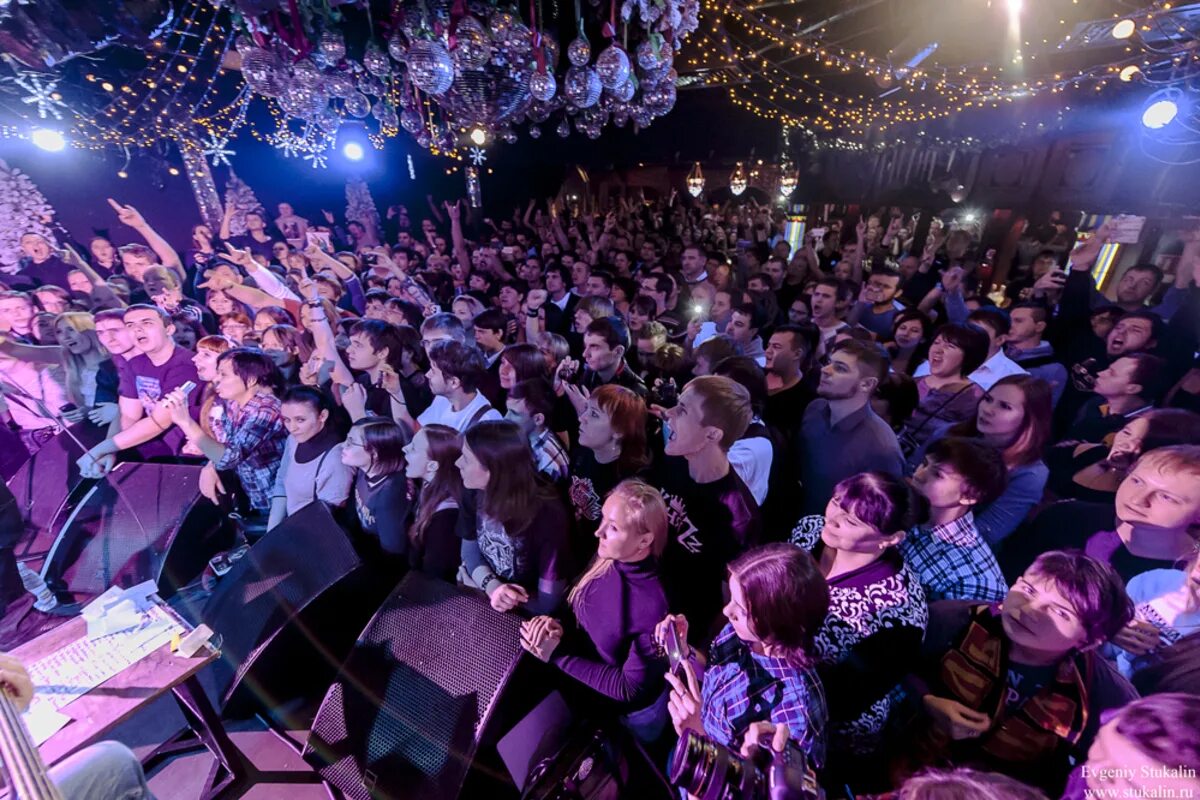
point(360, 206)
point(239, 194)
point(23, 209)
point(204, 187)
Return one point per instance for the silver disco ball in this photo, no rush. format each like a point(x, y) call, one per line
point(332, 46)
point(376, 61)
point(613, 67)
point(542, 85)
point(357, 105)
point(492, 96)
point(582, 86)
point(430, 67)
point(579, 52)
point(472, 45)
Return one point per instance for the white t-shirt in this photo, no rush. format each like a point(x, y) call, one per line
point(1160, 597)
point(751, 460)
point(440, 412)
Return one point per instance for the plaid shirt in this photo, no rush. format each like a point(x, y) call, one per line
point(550, 456)
point(740, 687)
point(953, 562)
point(254, 439)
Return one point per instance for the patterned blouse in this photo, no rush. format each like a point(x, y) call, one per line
point(870, 639)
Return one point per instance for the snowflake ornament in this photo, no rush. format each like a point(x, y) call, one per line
point(216, 149)
point(478, 156)
point(48, 101)
point(287, 144)
point(317, 159)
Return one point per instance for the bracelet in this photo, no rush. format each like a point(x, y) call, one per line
point(533, 312)
point(488, 581)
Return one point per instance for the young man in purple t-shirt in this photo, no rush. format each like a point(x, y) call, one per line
point(147, 378)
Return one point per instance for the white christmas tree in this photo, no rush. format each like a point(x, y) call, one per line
point(360, 207)
point(239, 194)
point(23, 209)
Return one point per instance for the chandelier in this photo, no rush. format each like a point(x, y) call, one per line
point(738, 180)
point(695, 181)
point(448, 66)
point(789, 179)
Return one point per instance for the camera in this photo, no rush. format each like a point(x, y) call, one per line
point(705, 769)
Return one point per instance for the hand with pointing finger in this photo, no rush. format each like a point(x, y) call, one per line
point(128, 214)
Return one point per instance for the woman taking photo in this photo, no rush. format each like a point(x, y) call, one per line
point(515, 545)
point(434, 546)
point(1014, 417)
point(947, 394)
point(877, 611)
point(608, 644)
point(612, 447)
point(761, 665)
point(374, 449)
point(1092, 472)
point(312, 467)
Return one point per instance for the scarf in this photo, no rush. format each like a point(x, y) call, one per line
point(318, 445)
point(973, 673)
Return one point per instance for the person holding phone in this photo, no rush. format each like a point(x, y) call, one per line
point(607, 641)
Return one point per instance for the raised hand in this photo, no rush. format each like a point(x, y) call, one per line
point(127, 214)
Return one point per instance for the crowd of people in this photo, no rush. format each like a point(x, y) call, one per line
point(924, 522)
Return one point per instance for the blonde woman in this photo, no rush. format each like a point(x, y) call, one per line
point(608, 643)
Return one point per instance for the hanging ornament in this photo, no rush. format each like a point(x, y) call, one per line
point(369, 84)
point(649, 57)
point(737, 180)
point(613, 67)
point(376, 61)
point(257, 65)
point(332, 46)
point(542, 86)
point(42, 95)
point(357, 105)
point(340, 84)
point(535, 132)
point(579, 52)
point(508, 136)
point(286, 143)
point(518, 39)
point(424, 139)
point(396, 47)
point(550, 48)
point(582, 86)
point(499, 24)
point(472, 47)
point(625, 91)
point(317, 159)
point(216, 149)
point(788, 181)
point(306, 74)
point(477, 155)
point(660, 99)
point(564, 128)
point(430, 67)
point(410, 120)
point(474, 194)
point(329, 121)
point(695, 181)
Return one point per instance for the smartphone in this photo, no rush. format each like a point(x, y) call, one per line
point(674, 647)
point(187, 388)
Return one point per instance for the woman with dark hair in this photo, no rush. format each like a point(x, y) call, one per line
point(434, 546)
point(374, 448)
point(285, 345)
point(267, 316)
point(947, 394)
point(761, 665)
point(612, 447)
point(251, 443)
point(614, 607)
point(515, 532)
point(521, 362)
point(104, 257)
point(895, 400)
point(877, 612)
point(1093, 472)
point(1014, 416)
point(311, 468)
point(910, 339)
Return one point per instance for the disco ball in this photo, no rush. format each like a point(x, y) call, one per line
point(508, 136)
point(472, 46)
point(376, 61)
point(613, 67)
point(396, 47)
point(329, 120)
point(539, 112)
point(582, 86)
point(535, 132)
point(339, 84)
point(499, 24)
point(542, 85)
point(410, 120)
point(389, 119)
point(357, 105)
point(642, 117)
point(518, 39)
point(430, 67)
point(660, 99)
point(564, 128)
point(369, 84)
point(257, 67)
point(550, 46)
point(332, 46)
point(491, 97)
point(625, 91)
point(302, 102)
point(621, 117)
point(579, 52)
point(424, 139)
point(647, 57)
point(306, 74)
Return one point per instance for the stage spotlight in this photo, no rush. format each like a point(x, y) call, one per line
point(353, 151)
point(1130, 72)
point(478, 136)
point(1014, 6)
point(1123, 29)
point(49, 140)
point(1159, 114)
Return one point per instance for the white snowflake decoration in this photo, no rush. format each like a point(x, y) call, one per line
point(41, 94)
point(287, 144)
point(216, 149)
point(317, 159)
point(478, 156)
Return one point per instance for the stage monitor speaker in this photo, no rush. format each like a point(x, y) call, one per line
point(412, 704)
point(305, 558)
point(44, 484)
point(142, 522)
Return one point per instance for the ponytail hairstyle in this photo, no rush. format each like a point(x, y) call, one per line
point(645, 511)
point(445, 446)
point(786, 599)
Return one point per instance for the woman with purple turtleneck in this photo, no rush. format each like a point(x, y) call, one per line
point(609, 646)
